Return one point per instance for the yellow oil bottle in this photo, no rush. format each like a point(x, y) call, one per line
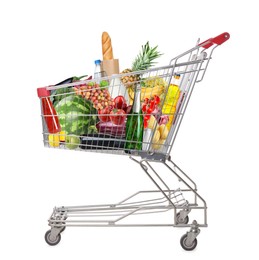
point(171, 100)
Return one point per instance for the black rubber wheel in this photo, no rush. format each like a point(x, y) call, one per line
point(188, 247)
point(181, 221)
point(50, 241)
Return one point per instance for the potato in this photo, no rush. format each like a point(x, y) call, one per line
point(163, 130)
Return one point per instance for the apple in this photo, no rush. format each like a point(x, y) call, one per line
point(72, 141)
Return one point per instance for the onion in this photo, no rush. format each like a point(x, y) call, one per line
point(157, 112)
point(111, 129)
point(163, 120)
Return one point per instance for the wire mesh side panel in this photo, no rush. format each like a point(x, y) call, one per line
point(126, 113)
point(190, 73)
point(93, 115)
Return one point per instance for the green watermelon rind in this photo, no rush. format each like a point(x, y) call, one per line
point(76, 115)
point(60, 93)
point(77, 101)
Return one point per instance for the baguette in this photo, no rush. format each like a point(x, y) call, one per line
point(107, 46)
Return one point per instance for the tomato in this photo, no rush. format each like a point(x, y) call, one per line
point(145, 123)
point(150, 110)
point(147, 117)
point(119, 102)
point(118, 116)
point(157, 99)
point(152, 104)
point(103, 114)
point(146, 100)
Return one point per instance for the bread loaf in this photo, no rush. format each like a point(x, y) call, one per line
point(107, 46)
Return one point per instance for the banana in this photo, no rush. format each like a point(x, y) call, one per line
point(159, 144)
point(147, 92)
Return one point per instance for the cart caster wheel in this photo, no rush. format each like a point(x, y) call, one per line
point(62, 229)
point(50, 241)
point(180, 220)
point(184, 244)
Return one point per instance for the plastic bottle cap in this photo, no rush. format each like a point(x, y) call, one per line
point(97, 62)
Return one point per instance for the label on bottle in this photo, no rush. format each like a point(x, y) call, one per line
point(137, 96)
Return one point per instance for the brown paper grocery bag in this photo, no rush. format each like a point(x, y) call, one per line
point(110, 67)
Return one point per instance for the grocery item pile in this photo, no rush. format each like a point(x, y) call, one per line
point(125, 111)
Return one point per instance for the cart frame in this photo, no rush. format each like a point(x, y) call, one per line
point(168, 199)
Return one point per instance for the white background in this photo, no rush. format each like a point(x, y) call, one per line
point(44, 42)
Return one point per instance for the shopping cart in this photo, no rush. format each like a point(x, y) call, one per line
point(180, 203)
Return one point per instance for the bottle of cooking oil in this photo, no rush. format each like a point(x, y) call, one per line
point(171, 99)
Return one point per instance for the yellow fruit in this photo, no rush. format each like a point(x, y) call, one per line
point(156, 137)
point(147, 92)
point(72, 141)
point(152, 123)
point(159, 144)
point(163, 131)
point(62, 136)
point(170, 111)
point(130, 80)
point(54, 140)
point(153, 81)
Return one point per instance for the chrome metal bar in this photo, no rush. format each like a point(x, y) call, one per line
point(158, 176)
point(146, 191)
point(133, 204)
point(85, 206)
point(110, 78)
point(143, 210)
point(119, 206)
point(193, 190)
point(185, 53)
point(207, 63)
point(182, 172)
point(148, 202)
point(130, 213)
point(135, 225)
point(175, 165)
point(70, 211)
point(147, 211)
point(169, 200)
point(175, 128)
point(135, 194)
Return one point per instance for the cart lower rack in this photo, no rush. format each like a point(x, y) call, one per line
point(82, 110)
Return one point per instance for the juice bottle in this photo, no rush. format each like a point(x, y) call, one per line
point(48, 111)
point(171, 99)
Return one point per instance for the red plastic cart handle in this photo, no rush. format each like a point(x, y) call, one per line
point(217, 40)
